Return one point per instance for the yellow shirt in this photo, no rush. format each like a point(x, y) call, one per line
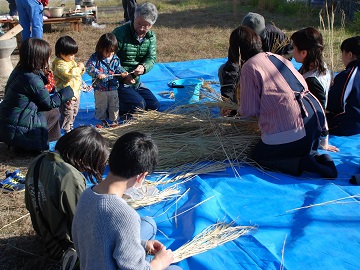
point(67, 74)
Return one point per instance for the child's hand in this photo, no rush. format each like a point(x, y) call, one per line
point(81, 65)
point(124, 74)
point(153, 247)
point(101, 76)
point(162, 259)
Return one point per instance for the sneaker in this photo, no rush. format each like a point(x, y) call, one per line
point(16, 175)
point(10, 184)
point(69, 260)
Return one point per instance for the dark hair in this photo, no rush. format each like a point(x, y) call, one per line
point(132, 154)
point(244, 44)
point(65, 45)
point(309, 39)
point(34, 54)
point(351, 45)
point(107, 42)
point(86, 150)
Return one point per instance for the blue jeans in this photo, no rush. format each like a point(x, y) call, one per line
point(12, 8)
point(147, 228)
point(147, 232)
point(31, 18)
point(132, 97)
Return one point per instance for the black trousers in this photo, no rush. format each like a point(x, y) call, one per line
point(129, 9)
point(52, 118)
point(285, 157)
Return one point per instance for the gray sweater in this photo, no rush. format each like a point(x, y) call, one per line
point(106, 233)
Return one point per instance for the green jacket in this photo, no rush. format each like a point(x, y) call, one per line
point(133, 53)
point(60, 186)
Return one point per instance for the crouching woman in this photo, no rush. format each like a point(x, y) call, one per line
point(291, 120)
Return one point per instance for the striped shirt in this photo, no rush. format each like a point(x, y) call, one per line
point(266, 94)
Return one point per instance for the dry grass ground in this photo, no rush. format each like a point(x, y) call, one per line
point(185, 30)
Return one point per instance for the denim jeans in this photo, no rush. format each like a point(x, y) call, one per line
point(12, 8)
point(147, 228)
point(132, 97)
point(31, 18)
point(147, 232)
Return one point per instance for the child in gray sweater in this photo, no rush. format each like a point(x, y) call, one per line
point(105, 229)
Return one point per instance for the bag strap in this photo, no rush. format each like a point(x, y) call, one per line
point(65, 245)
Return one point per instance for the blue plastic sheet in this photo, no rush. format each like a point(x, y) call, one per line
point(325, 236)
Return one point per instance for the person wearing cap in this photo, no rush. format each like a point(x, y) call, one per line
point(137, 53)
point(273, 40)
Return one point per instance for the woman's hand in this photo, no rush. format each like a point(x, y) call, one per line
point(101, 76)
point(324, 144)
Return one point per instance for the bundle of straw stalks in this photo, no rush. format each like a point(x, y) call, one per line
point(144, 199)
point(213, 236)
point(192, 134)
point(186, 171)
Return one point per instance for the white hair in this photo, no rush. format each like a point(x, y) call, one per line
point(147, 11)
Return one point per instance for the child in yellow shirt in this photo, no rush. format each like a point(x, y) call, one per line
point(68, 73)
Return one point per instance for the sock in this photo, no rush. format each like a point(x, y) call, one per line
point(326, 160)
point(311, 164)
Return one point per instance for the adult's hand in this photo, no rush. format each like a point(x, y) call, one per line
point(139, 70)
point(324, 144)
point(225, 112)
point(129, 79)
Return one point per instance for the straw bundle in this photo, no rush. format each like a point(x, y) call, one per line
point(192, 136)
point(213, 236)
point(144, 199)
point(187, 171)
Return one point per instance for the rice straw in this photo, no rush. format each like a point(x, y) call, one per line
point(328, 202)
point(7, 225)
point(282, 254)
point(146, 200)
point(213, 236)
point(192, 137)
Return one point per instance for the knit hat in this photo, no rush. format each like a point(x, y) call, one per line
point(256, 22)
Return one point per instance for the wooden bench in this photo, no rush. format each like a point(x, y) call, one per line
point(74, 21)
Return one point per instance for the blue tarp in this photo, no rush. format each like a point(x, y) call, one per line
point(320, 237)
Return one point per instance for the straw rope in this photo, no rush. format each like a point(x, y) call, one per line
point(213, 236)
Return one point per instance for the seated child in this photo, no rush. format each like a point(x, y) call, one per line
point(55, 181)
point(113, 239)
point(102, 66)
point(343, 107)
point(68, 72)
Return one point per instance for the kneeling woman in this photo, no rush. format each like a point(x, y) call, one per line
point(291, 120)
point(29, 117)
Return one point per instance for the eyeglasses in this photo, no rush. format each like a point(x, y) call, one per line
point(141, 26)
